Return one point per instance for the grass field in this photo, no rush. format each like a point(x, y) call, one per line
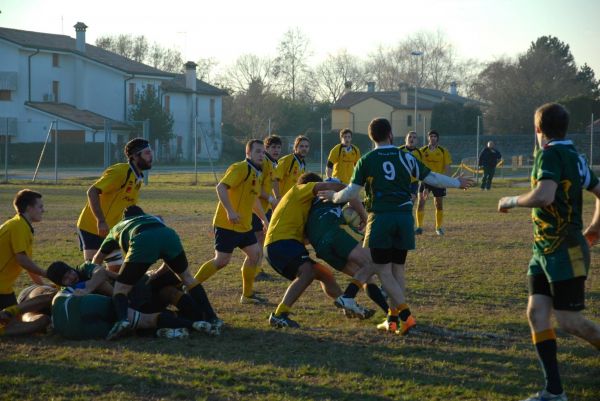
point(467, 291)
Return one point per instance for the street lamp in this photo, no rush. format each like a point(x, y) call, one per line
point(416, 53)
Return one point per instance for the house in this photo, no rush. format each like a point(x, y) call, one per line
point(356, 109)
point(57, 82)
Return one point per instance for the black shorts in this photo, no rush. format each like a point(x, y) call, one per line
point(227, 240)
point(286, 256)
point(389, 255)
point(566, 295)
point(7, 300)
point(437, 192)
point(88, 240)
point(257, 225)
point(132, 272)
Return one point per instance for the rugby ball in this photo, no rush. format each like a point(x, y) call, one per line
point(351, 216)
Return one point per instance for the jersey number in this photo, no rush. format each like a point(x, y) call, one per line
point(389, 170)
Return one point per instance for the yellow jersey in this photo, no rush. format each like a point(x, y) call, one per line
point(16, 236)
point(416, 152)
point(244, 182)
point(289, 217)
point(343, 159)
point(436, 159)
point(268, 173)
point(119, 186)
point(289, 168)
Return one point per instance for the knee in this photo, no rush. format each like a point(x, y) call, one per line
point(535, 315)
point(222, 261)
point(569, 322)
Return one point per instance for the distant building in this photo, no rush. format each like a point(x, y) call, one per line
point(356, 109)
point(89, 91)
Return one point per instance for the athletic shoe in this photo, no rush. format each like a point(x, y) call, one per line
point(202, 326)
point(405, 327)
point(119, 329)
point(350, 305)
point(252, 300)
point(172, 333)
point(282, 321)
point(351, 315)
point(388, 326)
point(546, 396)
point(262, 276)
point(216, 325)
point(440, 231)
point(418, 231)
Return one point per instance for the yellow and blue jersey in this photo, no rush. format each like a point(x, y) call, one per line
point(290, 215)
point(16, 236)
point(289, 168)
point(343, 159)
point(268, 173)
point(436, 159)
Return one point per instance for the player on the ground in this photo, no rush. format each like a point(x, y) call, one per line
point(561, 259)
point(238, 193)
point(410, 145)
point(342, 158)
point(290, 167)
point(438, 159)
point(31, 313)
point(117, 188)
point(144, 239)
point(268, 199)
point(285, 250)
point(385, 173)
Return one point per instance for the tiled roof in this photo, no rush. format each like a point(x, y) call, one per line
point(392, 98)
point(82, 117)
point(48, 41)
point(177, 84)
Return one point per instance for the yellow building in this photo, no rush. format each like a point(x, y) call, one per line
point(355, 110)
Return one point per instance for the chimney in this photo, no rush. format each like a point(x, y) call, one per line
point(370, 86)
point(190, 75)
point(403, 88)
point(80, 28)
point(453, 90)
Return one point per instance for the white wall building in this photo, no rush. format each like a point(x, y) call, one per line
point(46, 77)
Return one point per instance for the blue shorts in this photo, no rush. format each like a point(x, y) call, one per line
point(257, 225)
point(286, 256)
point(88, 240)
point(437, 192)
point(227, 240)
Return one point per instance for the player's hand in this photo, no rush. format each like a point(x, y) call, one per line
point(233, 217)
point(265, 226)
point(326, 195)
point(507, 202)
point(591, 236)
point(425, 194)
point(102, 228)
point(465, 182)
point(362, 225)
point(81, 292)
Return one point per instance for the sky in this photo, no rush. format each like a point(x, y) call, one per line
point(225, 29)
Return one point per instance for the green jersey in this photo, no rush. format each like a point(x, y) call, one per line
point(123, 231)
point(386, 173)
point(560, 162)
point(323, 216)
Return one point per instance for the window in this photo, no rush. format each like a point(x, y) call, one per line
point(5, 95)
point(167, 103)
point(55, 90)
point(409, 121)
point(55, 60)
point(131, 93)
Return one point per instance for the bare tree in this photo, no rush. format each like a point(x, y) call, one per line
point(249, 70)
point(205, 68)
point(165, 59)
point(290, 66)
point(333, 73)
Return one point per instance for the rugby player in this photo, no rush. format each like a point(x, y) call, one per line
point(238, 193)
point(410, 145)
point(561, 258)
point(117, 188)
point(342, 158)
point(31, 313)
point(386, 173)
point(290, 167)
point(438, 159)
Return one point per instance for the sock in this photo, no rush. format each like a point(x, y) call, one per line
point(392, 315)
point(189, 308)
point(545, 345)
point(282, 308)
point(248, 274)
point(120, 303)
point(420, 218)
point(170, 320)
point(439, 218)
point(352, 289)
point(206, 271)
point(404, 312)
point(374, 292)
point(196, 291)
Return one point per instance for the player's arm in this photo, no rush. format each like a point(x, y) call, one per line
point(93, 195)
point(357, 205)
point(592, 232)
point(108, 246)
point(444, 181)
point(331, 160)
point(35, 272)
point(99, 276)
point(329, 169)
point(223, 196)
point(339, 193)
point(541, 196)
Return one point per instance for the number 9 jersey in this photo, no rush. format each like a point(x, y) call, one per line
point(386, 173)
